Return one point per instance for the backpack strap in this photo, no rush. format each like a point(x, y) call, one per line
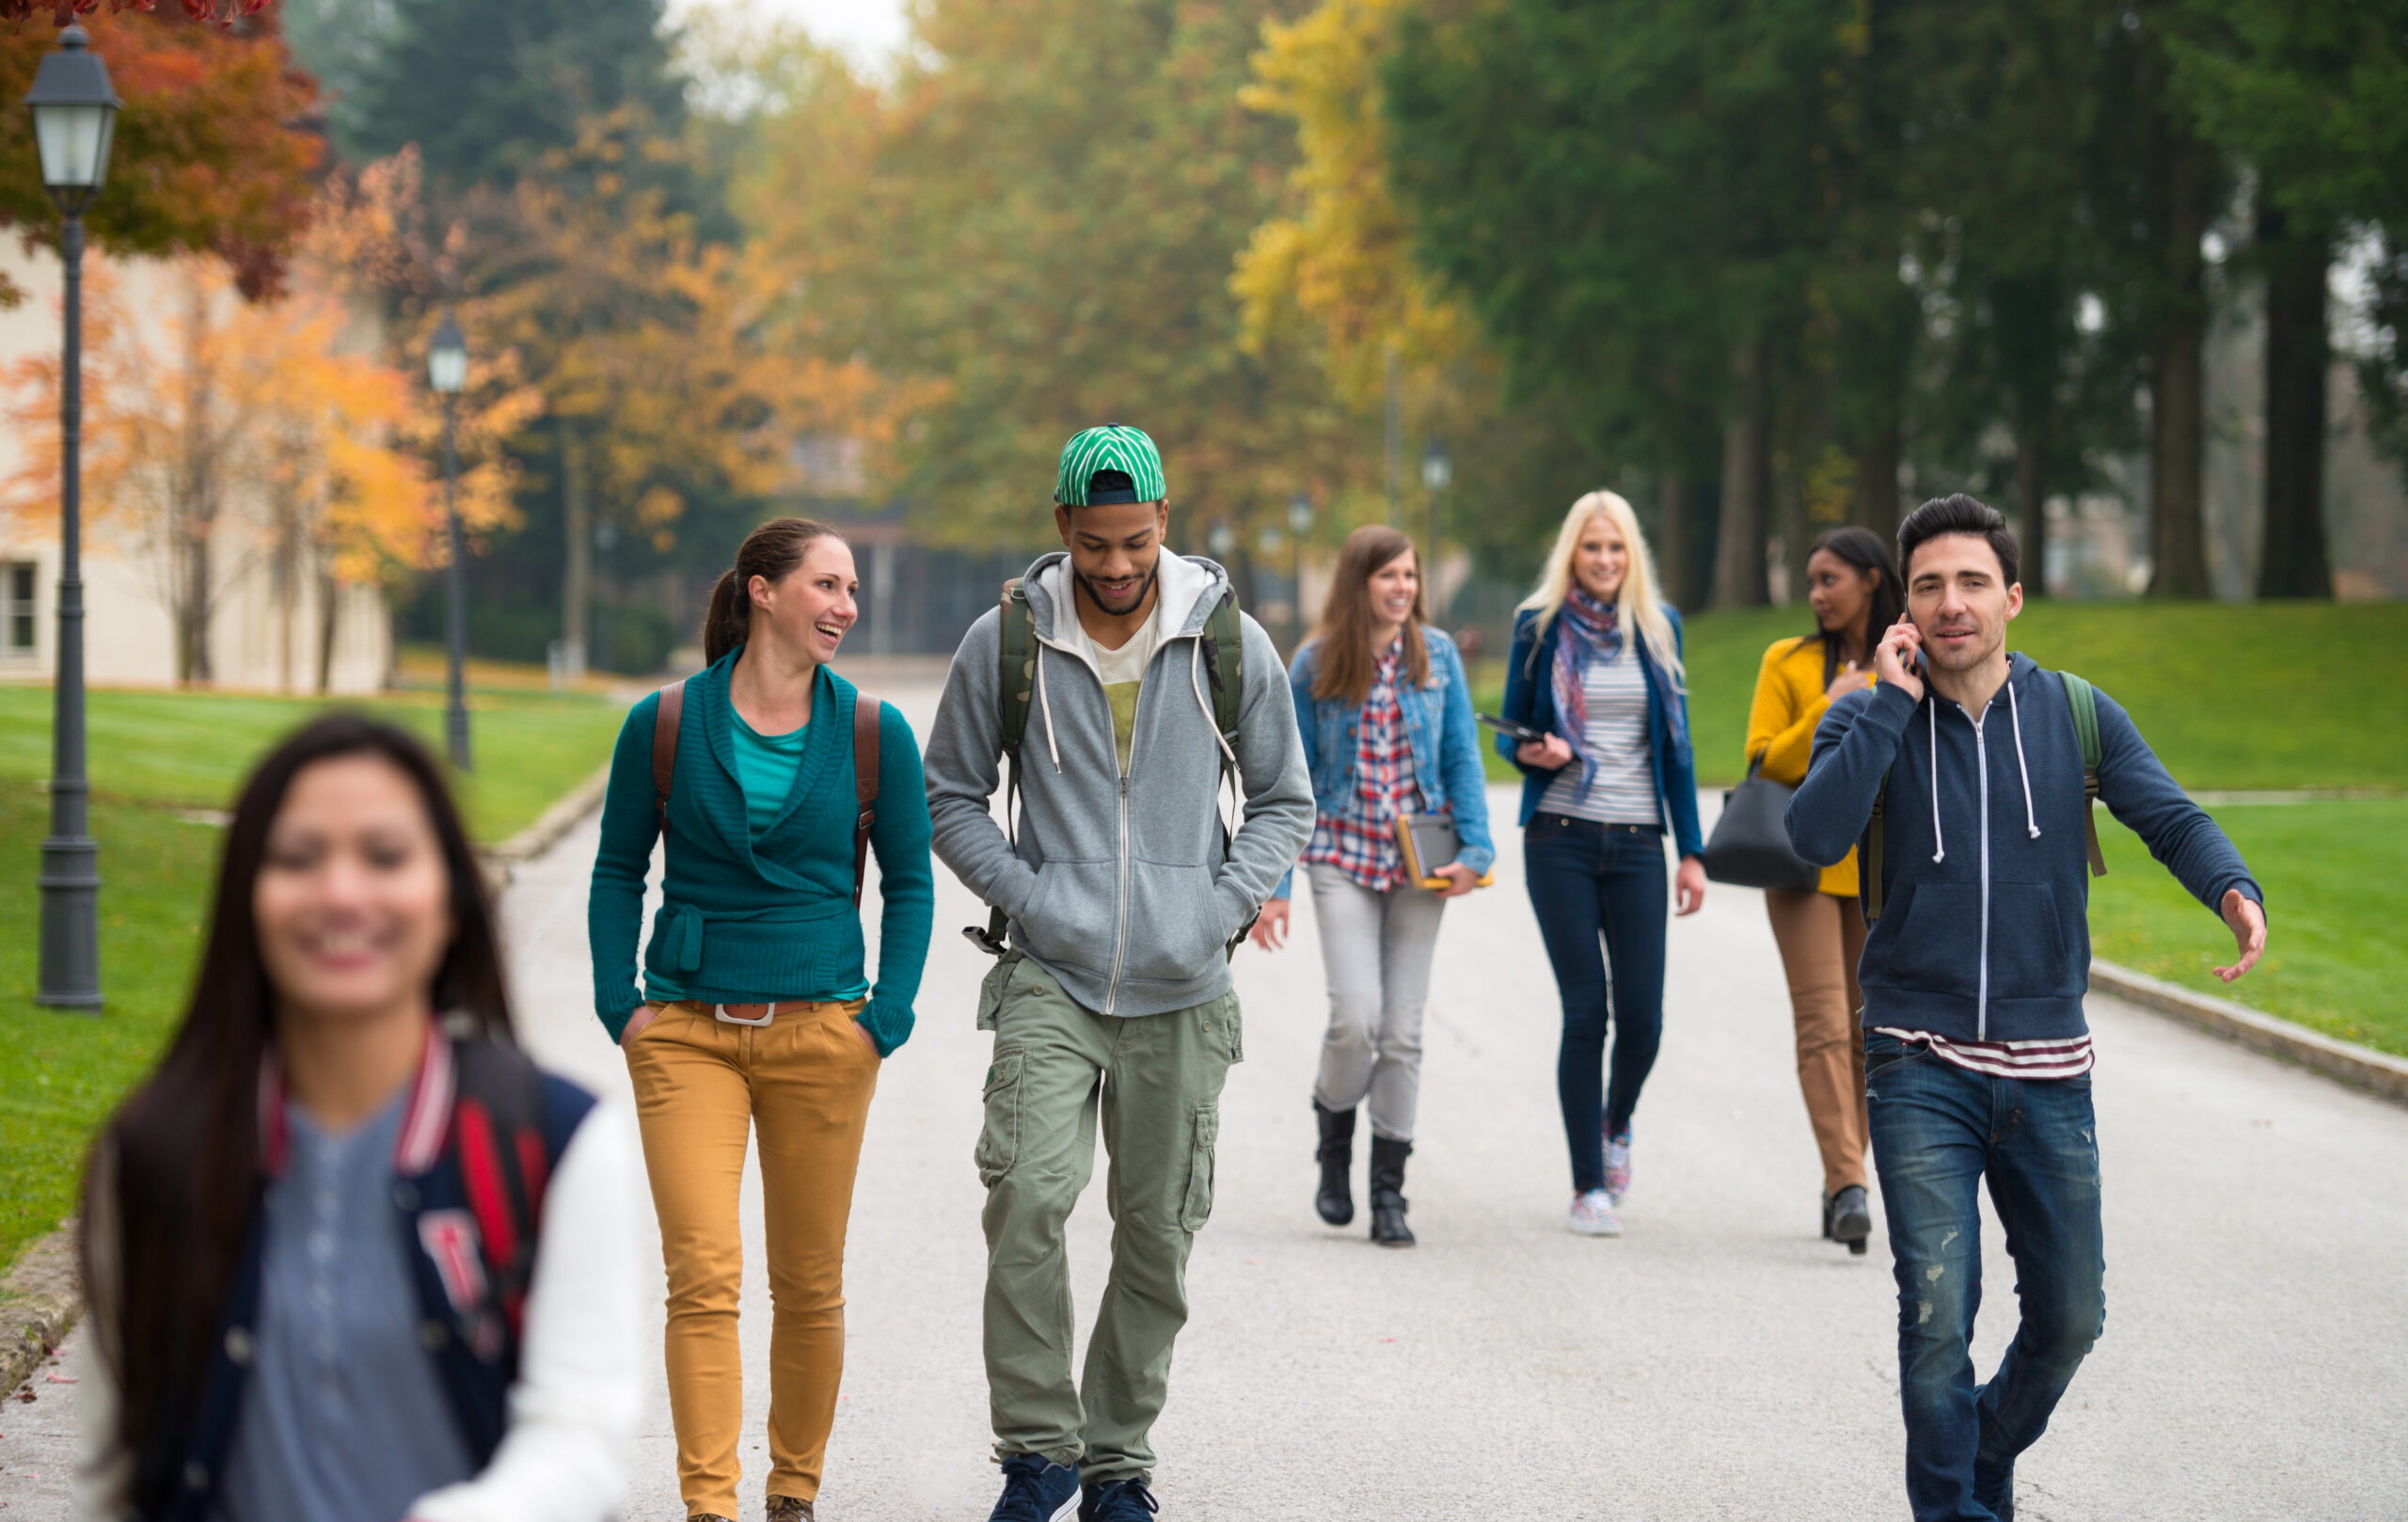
point(865, 716)
point(1016, 660)
point(498, 1131)
point(665, 721)
point(1225, 669)
point(2084, 700)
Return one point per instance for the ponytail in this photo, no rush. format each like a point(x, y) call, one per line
point(770, 552)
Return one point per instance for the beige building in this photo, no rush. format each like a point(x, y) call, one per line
point(266, 625)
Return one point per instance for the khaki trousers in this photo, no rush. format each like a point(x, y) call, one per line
point(1821, 937)
point(804, 1082)
point(1154, 1084)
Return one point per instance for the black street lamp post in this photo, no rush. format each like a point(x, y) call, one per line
point(447, 371)
point(1300, 524)
point(1437, 474)
point(74, 113)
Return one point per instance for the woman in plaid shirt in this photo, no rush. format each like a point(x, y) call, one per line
point(1387, 725)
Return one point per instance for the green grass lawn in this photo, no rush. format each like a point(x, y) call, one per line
point(61, 1073)
point(189, 750)
point(2334, 901)
point(2277, 696)
point(153, 757)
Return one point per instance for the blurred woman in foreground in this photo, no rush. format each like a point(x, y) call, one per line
point(350, 1255)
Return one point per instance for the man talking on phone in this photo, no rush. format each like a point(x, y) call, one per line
point(1977, 1058)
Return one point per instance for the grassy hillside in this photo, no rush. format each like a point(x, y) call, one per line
point(188, 749)
point(2277, 695)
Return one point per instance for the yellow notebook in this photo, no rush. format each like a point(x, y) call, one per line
point(1427, 839)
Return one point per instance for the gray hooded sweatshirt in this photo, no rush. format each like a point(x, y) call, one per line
point(1117, 886)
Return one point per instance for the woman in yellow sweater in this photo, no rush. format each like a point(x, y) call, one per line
point(1852, 584)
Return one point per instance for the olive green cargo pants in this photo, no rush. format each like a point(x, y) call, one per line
point(1156, 1082)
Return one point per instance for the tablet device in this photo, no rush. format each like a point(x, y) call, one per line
point(1522, 733)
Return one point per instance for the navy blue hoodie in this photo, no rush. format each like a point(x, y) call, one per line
point(1984, 930)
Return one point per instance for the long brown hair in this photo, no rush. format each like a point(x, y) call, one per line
point(770, 552)
point(181, 1158)
point(1347, 627)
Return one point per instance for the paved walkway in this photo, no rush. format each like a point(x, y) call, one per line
point(1716, 1361)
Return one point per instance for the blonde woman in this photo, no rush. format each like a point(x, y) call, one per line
point(1595, 671)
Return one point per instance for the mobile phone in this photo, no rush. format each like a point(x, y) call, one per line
point(1523, 732)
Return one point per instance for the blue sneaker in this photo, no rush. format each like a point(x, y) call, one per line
point(1119, 1500)
point(1037, 1489)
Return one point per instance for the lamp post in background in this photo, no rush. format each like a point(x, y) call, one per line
point(1300, 524)
point(447, 371)
point(1437, 474)
point(74, 113)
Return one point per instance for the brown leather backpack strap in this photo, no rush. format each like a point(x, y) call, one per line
point(664, 747)
point(866, 713)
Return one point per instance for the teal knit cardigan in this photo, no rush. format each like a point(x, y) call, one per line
point(746, 921)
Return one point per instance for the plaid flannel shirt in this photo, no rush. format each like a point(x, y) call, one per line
point(1360, 839)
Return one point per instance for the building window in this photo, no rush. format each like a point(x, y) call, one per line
point(17, 609)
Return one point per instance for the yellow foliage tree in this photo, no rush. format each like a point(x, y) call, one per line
point(1339, 259)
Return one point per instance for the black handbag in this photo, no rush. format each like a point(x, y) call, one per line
point(1751, 845)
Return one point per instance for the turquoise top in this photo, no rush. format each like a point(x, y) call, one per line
point(758, 899)
point(765, 768)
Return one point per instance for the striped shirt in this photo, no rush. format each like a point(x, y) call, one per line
point(2056, 1057)
point(1625, 792)
point(1360, 838)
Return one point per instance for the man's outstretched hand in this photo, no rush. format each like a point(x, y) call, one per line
point(2248, 922)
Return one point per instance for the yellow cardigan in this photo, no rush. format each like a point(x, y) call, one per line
point(1789, 703)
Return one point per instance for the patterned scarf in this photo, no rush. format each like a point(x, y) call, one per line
point(1586, 631)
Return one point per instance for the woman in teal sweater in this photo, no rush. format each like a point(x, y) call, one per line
point(756, 1013)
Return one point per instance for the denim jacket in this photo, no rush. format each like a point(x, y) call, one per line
point(1439, 727)
point(1530, 699)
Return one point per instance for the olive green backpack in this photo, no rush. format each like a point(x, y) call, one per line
point(2080, 697)
point(1224, 668)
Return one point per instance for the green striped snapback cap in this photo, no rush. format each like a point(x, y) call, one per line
point(1112, 447)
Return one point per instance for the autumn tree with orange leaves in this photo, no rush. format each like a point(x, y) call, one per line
point(213, 150)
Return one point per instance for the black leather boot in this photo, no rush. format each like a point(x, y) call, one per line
point(1387, 1192)
point(1336, 1200)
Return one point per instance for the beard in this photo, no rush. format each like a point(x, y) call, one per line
point(1136, 595)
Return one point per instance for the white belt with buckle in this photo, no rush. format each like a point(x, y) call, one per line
point(721, 1010)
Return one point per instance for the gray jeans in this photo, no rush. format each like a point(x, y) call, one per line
point(1375, 948)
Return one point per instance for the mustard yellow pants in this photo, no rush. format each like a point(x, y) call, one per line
point(804, 1082)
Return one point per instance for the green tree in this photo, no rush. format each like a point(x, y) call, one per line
point(1032, 227)
point(485, 92)
point(1631, 199)
point(2313, 95)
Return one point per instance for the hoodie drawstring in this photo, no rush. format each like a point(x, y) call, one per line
point(2015, 715)
point(1045, 700)
point(1940, 852)
point(1195, 681)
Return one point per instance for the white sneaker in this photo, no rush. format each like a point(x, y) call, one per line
point(1593, 1215)
point(1617, 1166)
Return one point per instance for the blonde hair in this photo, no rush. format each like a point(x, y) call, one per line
point(1638, 605)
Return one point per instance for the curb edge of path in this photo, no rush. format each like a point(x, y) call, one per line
point(2362, 1067)
point(549, 826)
point(41, 1300)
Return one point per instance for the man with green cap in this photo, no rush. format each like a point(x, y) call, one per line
point(1124, 891)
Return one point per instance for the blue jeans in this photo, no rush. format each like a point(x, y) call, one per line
point(1584, 878)
point(1937, 1130)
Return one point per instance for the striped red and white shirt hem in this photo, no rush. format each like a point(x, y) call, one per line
point(2061, 1057)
